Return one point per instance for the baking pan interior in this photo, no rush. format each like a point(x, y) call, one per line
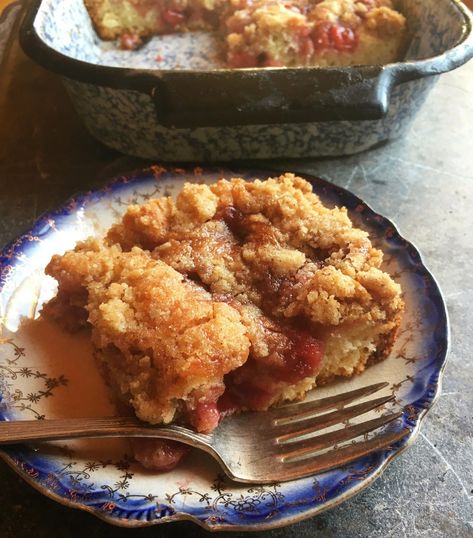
point(64, 25)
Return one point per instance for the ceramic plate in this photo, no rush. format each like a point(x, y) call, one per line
point(45, 373)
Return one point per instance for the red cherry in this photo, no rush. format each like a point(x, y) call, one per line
point(173, 18)
point(343, 38)
point(205, 417)
point(303, 357)
point(334, 36)
point(130, 41)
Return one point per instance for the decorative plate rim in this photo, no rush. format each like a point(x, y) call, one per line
point(140, 174)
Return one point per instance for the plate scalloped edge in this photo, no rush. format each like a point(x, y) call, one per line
point(292, 511)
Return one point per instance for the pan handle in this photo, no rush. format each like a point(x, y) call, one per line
point(271, 96)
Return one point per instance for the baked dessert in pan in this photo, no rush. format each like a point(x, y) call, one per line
point(262, 33)
point(236, 296)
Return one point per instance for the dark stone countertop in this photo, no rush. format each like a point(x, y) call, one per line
point(423, 182)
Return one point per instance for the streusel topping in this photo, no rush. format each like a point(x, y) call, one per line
point(235, 295)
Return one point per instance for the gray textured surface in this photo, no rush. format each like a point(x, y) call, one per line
point(424, 183)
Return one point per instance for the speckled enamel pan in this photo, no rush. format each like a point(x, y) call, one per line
point(45, 373)
point(188, 107)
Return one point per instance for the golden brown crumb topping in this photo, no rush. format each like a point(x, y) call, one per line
point(271, 243)
point(227, 297)
point(173, 336)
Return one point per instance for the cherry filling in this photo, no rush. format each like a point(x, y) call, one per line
point(205, 417)
point(324, 36)
point(158, 454)
point(173, 17)
point(202, 413)
point(130, 41)
point(254, 387)
point(243, 395)
point(303, 357)
point(162, 454)
point(234, 219)
point(334, 36)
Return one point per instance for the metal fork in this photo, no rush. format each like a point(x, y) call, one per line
point(277, 445)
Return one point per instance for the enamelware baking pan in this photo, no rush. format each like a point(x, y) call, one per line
point(187, 107)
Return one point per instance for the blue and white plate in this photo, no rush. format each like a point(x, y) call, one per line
point(45, 373)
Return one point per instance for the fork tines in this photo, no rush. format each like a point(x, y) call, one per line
point(295, 429)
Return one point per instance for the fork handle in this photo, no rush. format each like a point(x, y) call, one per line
point(72, 428)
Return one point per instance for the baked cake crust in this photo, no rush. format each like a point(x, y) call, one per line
point(237, 295)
